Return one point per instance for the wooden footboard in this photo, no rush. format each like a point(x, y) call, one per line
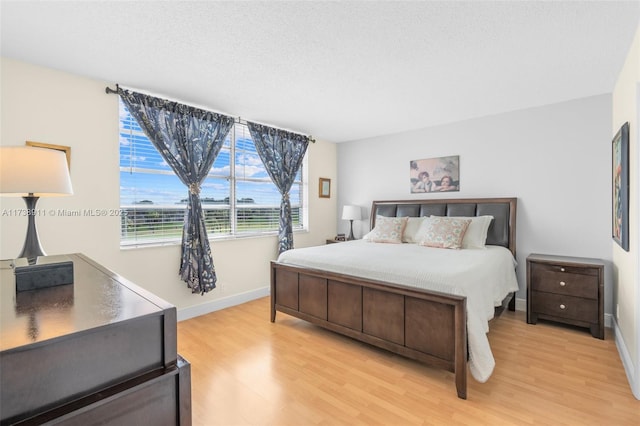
point(426, 326)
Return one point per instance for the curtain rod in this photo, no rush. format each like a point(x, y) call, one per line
point(109, 90)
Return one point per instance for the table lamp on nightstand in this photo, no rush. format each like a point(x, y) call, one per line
point(32, 173)
point(351, 213)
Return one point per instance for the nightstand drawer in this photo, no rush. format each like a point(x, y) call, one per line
point(561, 306)
point(550, 279)
point(568, 269)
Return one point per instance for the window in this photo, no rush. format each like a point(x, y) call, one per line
point(238, 197)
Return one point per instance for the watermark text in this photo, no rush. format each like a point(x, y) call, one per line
point(63, 212)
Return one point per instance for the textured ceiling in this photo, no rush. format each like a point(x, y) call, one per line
point(337, 70)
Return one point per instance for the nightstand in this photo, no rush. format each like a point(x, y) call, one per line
point(566, 289)
point(331, 241)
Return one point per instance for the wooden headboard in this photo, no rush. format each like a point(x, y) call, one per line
point(502, 231)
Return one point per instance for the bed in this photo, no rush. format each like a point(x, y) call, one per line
point(435, 314)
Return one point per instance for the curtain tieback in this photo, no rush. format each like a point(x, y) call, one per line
point(194, 189)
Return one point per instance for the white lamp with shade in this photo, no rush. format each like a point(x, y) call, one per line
point(32, 173)
point(351, 213)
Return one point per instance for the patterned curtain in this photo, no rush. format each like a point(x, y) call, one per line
point(282, 153)
point(189, 140)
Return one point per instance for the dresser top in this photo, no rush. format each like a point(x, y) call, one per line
point(550, 258)
point(97, 298)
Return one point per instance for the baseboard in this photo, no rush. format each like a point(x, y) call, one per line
point(608, 320)
point(225, 302)
point(626, 361)
point(521, 305)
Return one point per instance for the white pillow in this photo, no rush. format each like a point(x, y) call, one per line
point(387, 230)
point(411, 231)
point(476, 235)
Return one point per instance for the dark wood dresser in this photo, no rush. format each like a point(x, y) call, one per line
point(566, 289)
point(99, 351)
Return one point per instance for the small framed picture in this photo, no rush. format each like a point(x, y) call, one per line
point(324, 189)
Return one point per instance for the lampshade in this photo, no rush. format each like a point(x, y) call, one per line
point(351, 213)
point(39, 171)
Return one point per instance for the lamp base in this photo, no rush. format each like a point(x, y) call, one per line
point(32, 248)
point(351, 237)
point(47, 271)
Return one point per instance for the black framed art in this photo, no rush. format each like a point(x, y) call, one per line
point(620, 193)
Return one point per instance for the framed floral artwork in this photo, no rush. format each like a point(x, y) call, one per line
point(620, 190)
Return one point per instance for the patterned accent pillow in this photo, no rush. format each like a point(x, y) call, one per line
point(387, 230)
point(476, 235)
point(444, 232)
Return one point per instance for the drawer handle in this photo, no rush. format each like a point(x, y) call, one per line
point(562, 306)
point(561, 269)
point(562, 283)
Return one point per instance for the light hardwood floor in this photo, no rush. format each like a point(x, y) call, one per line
point(248, 371)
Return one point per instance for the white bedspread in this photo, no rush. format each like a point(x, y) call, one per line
point(485, 277)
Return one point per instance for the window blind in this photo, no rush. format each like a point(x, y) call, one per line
point(238, 197)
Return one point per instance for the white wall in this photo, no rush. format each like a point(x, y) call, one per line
point(626, 107)
point(45, 105)
point(555, 159)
